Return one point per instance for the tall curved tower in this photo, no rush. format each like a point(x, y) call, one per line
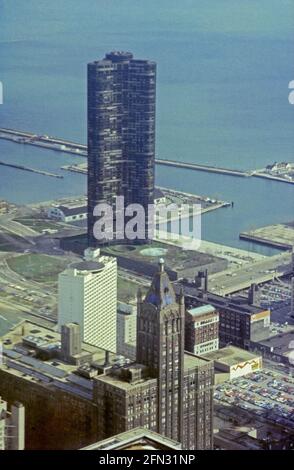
point(121, 135)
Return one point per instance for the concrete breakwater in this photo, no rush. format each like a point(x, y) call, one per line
point(32, 170)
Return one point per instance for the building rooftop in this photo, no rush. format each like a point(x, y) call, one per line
point(191, 361)
point(114, 377)
point(136, 439)
point(231, 439)
point(76, 210)
point(282, 344)
point(238, 304)
point(203, 310)
point(117, 56)
point(230, 355)
point(20, 350)
point(178, 262)
point(88, 266)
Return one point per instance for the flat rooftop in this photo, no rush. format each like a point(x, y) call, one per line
point(230, 356)
point(116, 380)
point(54, 372)
point(90, 266)
point(70, 210)
point(180, 261)
point(200, 311)
point(281, 343)
point(27, 328)
point(233, 304)
point(237, 440)
point(191, 361)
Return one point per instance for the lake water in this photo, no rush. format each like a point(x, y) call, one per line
point(222, 95)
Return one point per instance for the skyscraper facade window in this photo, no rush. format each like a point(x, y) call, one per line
point(121, 135)
point(87, 293)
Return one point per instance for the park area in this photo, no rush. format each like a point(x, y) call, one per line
point(39, 267)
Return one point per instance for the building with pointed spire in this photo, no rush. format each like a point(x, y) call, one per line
point(96, 395)
point(160, 347)
point(166, 390)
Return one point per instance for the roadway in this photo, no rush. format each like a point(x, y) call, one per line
point(12, 317)
point(8, 225)
point(233, 280)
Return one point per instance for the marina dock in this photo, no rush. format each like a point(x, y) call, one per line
point(66, 146)
point(32, 170)
point(279, 236)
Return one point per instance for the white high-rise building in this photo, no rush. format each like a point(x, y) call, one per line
point(12, 426)
point(87, 293)
point(127, 330)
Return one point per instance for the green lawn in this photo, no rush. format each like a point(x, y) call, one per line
point(41, 268)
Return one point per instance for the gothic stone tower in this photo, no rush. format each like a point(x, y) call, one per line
point(160, 347)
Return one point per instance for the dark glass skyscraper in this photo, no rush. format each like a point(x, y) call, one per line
point(121, 133)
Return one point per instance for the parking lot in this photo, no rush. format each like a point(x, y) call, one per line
point(273, 293)
point(266, 393)
point(276, 295)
